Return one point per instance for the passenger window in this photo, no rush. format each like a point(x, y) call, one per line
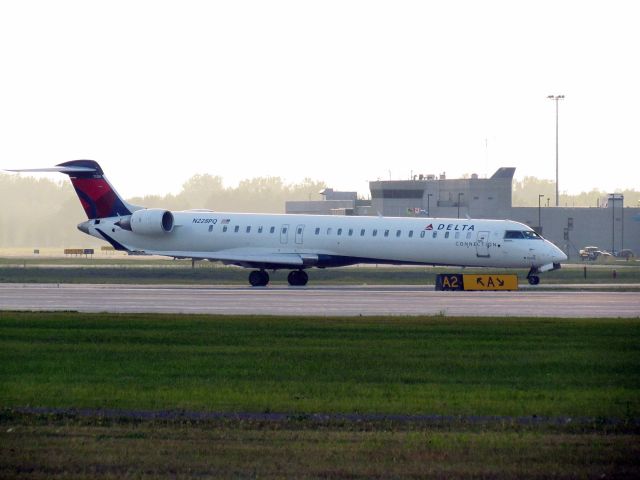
point(398, 233)
point(259, 229)
point(224, 229)
point(329, 231)
point(284, 230)
point(236, 229)
point(457, 235)
point(375, 233)
point(272, 230)
point(386, 233)
point(317, 230)
point(350, 231)
point(211, 228)
point(248, 229)
point(446, 234)
point(468, 235)
point(299, 230)
point(435, 234)
point(410, 233)
point(339, 231)
point(362, 232)
point(422, 234)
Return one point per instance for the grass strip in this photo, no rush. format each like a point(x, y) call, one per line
point(429, 365)
point(206, 274)
point(66, 449)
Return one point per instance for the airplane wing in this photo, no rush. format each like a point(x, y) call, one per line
point(251, 260)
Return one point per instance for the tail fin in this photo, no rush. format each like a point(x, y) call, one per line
point(99, 199)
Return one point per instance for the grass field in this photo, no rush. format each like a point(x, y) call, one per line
point(559, 368)
point(383, 365)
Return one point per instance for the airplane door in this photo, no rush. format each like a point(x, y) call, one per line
point(284, 234)
point(482, 244)
point(299, 232)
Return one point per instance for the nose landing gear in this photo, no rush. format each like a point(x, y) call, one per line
point(532, 277)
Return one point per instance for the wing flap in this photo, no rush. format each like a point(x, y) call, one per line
point(264, 259)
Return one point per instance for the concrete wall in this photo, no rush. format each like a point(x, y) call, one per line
point(445, 198)
point(585, 226)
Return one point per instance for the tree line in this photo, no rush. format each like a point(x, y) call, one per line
point(39, 213)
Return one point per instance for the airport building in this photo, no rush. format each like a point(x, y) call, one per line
point(611, 226)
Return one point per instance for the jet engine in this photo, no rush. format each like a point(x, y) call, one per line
point(149, 221)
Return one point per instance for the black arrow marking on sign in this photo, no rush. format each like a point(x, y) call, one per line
point(479, 281)
point(500, 282)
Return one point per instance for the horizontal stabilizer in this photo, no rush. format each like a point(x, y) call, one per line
point(56, 170)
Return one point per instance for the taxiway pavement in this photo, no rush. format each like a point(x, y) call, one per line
point(317, 301)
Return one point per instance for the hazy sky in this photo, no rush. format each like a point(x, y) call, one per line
point(345, 91)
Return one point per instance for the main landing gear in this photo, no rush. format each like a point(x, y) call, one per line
point(532, 277)
point(296, 278)
point(258, 278)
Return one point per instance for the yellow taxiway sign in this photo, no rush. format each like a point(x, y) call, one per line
point(457, 281)
point(490, 282)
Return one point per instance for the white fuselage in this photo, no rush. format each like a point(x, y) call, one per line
point(270, 240)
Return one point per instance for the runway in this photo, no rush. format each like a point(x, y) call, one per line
point(317, 301)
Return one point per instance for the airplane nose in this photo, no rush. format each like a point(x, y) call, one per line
point(558, 255)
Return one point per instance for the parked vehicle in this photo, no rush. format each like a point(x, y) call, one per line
point(590, 253)
point(625, 253)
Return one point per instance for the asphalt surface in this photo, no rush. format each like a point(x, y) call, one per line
point(318, 301)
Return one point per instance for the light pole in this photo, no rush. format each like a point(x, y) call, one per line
point(613, 222)
point(622, 219)
point(429, 195)
point(556, 98)
point(459, 195)
point(539, 216)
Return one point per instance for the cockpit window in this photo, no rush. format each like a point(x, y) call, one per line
point(511, 234)
point(531, 235)
point(528, 234)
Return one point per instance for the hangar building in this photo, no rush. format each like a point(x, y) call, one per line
point(612, 226)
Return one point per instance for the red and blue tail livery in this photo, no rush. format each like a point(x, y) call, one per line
point(99, 199)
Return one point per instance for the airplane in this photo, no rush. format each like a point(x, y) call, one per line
point(298, 242)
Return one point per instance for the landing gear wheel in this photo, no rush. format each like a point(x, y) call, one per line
point(533, 279)
point(258, 278)
point(298, 278)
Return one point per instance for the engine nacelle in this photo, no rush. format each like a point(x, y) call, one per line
point(151, 221)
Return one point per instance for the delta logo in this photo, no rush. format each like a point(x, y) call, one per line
point(452, 226)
